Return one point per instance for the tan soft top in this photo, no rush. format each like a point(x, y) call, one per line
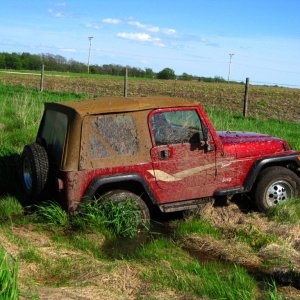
point(119, 104)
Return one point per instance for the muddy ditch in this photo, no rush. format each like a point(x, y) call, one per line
point(278, 260)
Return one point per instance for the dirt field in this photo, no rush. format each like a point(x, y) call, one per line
point(264, 102)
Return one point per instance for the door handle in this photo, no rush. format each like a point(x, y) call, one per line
point(164, 154)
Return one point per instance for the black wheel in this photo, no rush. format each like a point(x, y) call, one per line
point(123, 195)
point(275, 185)
point(35, 169)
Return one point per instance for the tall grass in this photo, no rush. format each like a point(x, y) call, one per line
point(8, 277)
point(10, 207)
point(287, 212)
point(51, 213)
point(120, 218)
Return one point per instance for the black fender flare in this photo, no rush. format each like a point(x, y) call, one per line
point(271, 161)
point(100, 181)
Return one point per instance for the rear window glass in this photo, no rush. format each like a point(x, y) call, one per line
point(54, 132)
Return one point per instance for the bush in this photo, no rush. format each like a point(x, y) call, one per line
point(8, 276)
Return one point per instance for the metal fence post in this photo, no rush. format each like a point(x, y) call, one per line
point(246, 99)
point(42, 78)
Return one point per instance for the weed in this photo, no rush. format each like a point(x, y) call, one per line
point(8, 276)
point(120, 218)
point(198, 226)
point(123, 218)
point(287, 212)
point(30, 255)
point(272, 292)
point(51, 213)
point(10, 207)
point(255, 238)
point(89, 216)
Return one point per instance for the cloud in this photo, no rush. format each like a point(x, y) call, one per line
point(140, 25)
point(145, 37)
point(61, 4)
point(55, 13)
point(67, 50)
point(169, 31)
point(141, 37)
point(93, 26)
point(111, 21)
point(136, 24)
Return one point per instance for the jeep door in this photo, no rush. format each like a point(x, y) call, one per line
point(182, 164)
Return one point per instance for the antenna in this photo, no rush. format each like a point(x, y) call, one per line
point(88, 64)
point(230, 58)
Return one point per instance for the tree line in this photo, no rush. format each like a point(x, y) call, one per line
point(51, 62)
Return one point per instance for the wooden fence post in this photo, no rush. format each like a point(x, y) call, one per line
point(125, 82)
point(246, 100)
point(42, 78)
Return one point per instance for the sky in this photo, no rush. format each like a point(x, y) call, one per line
point(191, 36)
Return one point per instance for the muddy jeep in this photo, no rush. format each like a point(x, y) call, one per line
point(157, 151)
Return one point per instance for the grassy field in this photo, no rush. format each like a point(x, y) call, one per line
point(219, 253)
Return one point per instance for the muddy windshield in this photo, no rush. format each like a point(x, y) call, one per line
point(53, 133)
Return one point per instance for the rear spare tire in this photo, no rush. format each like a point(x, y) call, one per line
point(35, 169)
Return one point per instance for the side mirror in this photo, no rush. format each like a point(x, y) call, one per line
point(205, 142)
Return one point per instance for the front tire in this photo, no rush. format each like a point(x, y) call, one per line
point(35, 169)
point(274, 186)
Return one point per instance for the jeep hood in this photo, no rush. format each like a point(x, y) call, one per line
point(245, 144)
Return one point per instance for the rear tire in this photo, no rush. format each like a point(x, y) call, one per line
point(274, 186)
point(35, 169)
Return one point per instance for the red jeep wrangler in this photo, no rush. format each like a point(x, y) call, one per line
point(157, 151)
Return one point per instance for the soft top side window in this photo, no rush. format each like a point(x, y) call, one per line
point(176, 127)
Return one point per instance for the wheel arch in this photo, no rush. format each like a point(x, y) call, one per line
point(291, 162)
point(131, 182)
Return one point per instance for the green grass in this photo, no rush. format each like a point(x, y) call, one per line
point(165, 264)
point(120, 219)
point(51, 213)
point(21, 111)
point(173, 268)
point(272, 292)
point(286, 213)
point(229, 121)
point(30, 255)
point(10, 208)
point(72, 74)
point(198, 226)
point(251, 235)
point(8, 277)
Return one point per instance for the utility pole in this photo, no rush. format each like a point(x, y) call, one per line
point(230, 58)
point(88, 64)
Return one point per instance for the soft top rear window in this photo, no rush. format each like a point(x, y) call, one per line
point(53, 133)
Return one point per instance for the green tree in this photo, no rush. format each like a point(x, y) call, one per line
point(149, 73)
point(166, 73)
point(186, 77)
